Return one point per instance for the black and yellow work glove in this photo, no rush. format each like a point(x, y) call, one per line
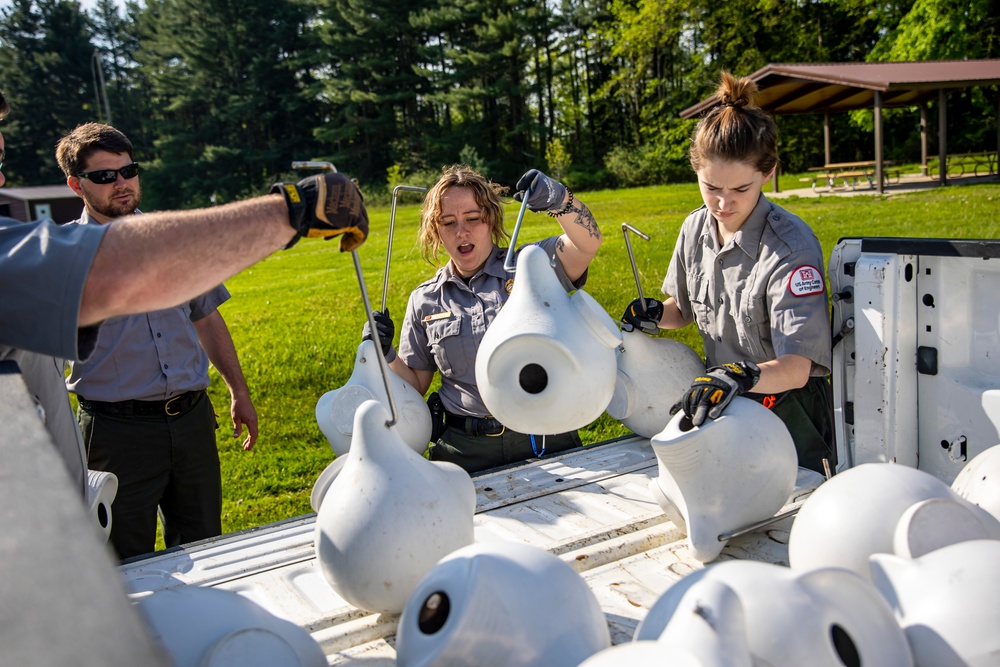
point(712, 392)
point(325, 206)
point(645, 319)
point(386, 332)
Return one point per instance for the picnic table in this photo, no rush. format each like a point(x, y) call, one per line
point(978, 164)
point(845, 175)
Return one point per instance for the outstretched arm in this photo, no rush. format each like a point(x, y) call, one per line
point(162, 259)
point(158, 260)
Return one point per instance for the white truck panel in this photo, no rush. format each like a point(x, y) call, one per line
point(884, 408)
point(959, 400)
point(916, 376)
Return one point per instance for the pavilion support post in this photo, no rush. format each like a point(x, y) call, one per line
point(942, 138)
point(879, 181)
point(923, 139)
point(826, 138)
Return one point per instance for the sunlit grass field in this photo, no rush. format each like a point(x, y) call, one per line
point(296, 317)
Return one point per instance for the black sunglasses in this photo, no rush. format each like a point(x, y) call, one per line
point(3, 156)
point(105, 176)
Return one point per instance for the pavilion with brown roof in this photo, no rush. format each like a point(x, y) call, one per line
point(831, 87)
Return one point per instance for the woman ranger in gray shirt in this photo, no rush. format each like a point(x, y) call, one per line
point(447, 316)
point(750, 274)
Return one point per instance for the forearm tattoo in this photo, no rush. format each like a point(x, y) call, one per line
point(585, 219)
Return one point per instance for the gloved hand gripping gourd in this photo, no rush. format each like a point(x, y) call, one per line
point(546, 194)
point(712, 392)
point(386, 331)
point(646, 318)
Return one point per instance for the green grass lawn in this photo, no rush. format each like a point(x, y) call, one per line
point(297, 316)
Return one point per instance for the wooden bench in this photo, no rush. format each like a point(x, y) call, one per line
point(853, 176)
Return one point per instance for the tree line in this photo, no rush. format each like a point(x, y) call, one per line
point(220, 96)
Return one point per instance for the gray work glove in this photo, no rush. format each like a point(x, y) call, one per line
point(546, 194)
point(646, 320)
point(711, 393)
point(325, 206)
point(386, 331)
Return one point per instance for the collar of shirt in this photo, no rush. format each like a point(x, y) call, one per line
point(749, 236)
point(752, 230)
point(85, 218)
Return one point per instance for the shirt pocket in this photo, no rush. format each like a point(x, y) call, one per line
point(754, 325)
point(449, 347)
point(701, 305)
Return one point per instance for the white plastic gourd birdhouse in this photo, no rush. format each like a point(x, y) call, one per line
point(724, 475)
point(644, 654)
point(335, 409)
point(822, 618)
point(388, 516)
point(653, 373)
point(857, 513)
point(979, 481)
point(706, 629)
point(102, 487)
point(213, 627)
point(501, 603)
point(324, 481)
point(935, 523)
point(547, 363)
point(709, 623)
point(947, 602)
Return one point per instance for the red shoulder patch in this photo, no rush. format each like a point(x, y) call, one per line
point(806, 281)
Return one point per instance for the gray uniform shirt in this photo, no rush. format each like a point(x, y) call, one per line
point(147, 357)
point(446, 319)
point(43, 267)
point(759, 297)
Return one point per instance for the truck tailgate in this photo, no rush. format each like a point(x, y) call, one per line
point(590, 506)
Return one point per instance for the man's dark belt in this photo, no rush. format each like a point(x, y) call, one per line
point(474, 426)
point(171, 407)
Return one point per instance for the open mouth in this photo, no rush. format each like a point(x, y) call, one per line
point(466, 248)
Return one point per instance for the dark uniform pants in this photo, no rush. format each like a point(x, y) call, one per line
point(475, 453)
point(808, 414)
point(166, 462)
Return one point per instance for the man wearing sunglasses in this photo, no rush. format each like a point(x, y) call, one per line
point(144, 411)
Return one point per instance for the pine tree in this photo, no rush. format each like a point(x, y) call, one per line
point(229, 95)
point(45, 58)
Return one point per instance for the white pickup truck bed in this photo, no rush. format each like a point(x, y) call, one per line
point(591, 507)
